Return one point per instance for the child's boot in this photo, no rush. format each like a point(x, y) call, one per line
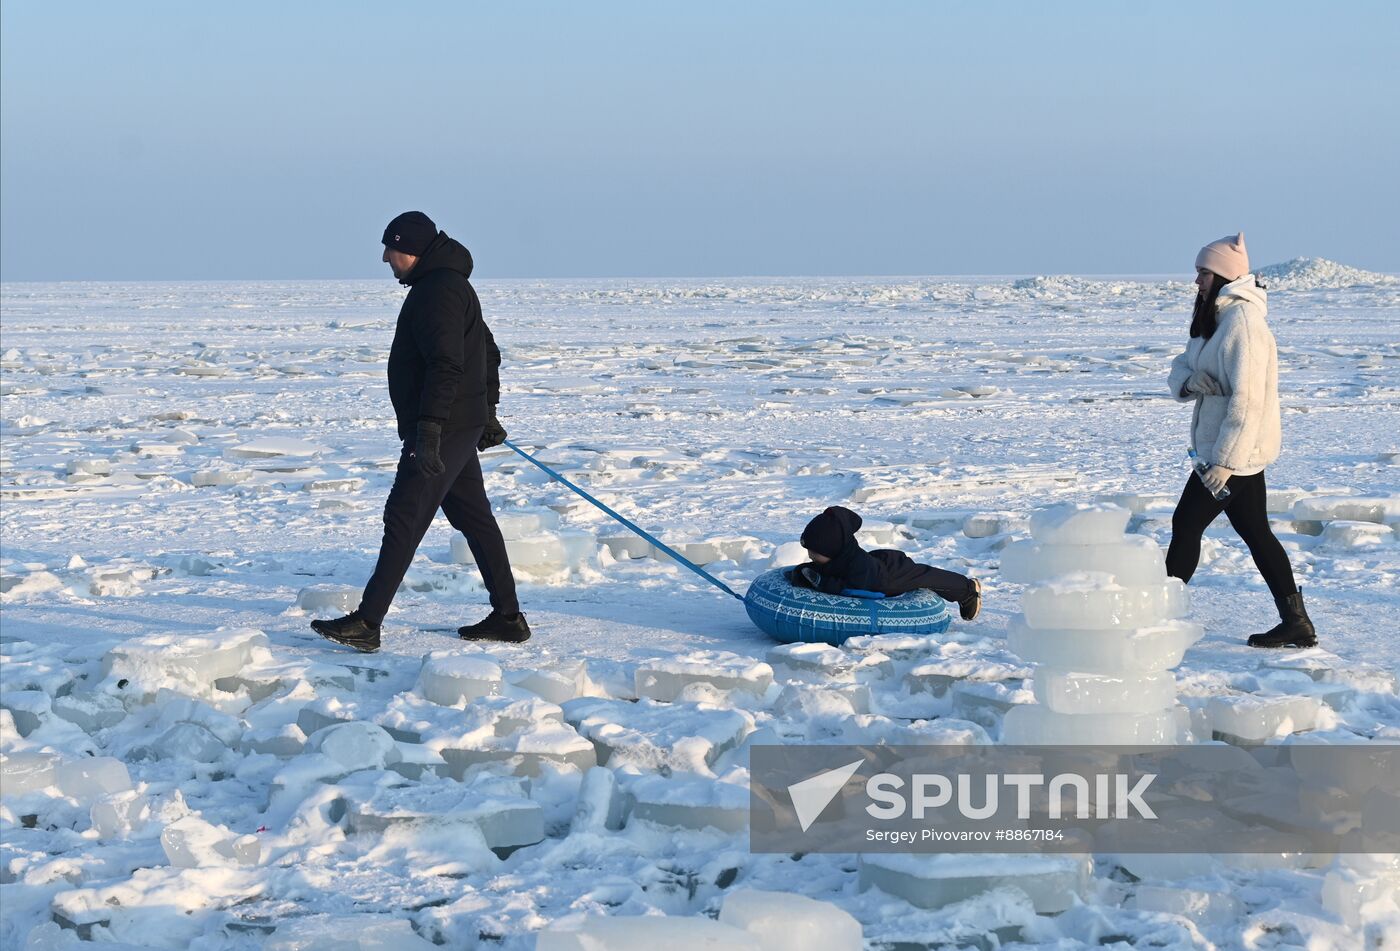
point(970, 605)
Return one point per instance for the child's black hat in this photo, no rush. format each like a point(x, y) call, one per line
point(829, 532)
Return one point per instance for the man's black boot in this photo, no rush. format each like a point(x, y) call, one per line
point(351, 630)
point(510, 628)
point(1294, 630)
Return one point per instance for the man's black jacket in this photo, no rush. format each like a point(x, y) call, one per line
point(444, 363)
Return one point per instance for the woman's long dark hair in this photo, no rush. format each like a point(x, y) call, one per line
point(1203, 315)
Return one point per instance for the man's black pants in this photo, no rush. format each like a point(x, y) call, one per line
point(1247, 510)
point(412, 504)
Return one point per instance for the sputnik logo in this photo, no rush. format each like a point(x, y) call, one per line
point(814, 794)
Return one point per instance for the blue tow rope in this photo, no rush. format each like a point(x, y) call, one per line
point(640, 531)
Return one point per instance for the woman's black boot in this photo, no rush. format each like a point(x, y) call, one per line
point(1295, 630)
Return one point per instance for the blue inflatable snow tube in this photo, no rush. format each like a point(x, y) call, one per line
point(790, 614)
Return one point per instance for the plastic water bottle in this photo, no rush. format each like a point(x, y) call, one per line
point(1199, 466)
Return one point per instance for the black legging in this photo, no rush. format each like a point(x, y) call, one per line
point(1247, 512)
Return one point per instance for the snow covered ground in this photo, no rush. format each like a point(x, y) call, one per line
point(190, 472)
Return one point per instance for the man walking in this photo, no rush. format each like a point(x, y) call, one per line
point(443, 382)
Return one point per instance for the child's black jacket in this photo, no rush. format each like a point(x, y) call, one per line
point(885, 571)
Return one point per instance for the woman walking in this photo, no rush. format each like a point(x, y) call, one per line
point(1230, 372)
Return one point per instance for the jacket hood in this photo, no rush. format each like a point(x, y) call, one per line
point(1247, 291)
point(832, 533)
point(442, 252)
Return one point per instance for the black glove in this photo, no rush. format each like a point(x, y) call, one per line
point(493, 435)
point(804, 576)
point(428, 449)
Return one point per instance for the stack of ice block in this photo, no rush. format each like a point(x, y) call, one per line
point(1103, 623)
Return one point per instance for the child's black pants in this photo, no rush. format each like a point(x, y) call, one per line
point(900, 574)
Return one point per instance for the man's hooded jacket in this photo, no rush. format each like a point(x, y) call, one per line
point(444, 363)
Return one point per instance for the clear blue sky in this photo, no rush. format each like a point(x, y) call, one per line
point(144, 140)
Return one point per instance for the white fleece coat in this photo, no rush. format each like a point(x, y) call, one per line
point(1241, 429)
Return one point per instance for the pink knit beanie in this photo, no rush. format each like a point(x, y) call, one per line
point(1226, 257)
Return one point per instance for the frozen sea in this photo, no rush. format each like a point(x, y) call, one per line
point(142, 500)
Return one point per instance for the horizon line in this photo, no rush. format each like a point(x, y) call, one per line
point(1000, 275)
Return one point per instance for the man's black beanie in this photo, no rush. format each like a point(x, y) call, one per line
point(411, 233)
point(829, 532)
